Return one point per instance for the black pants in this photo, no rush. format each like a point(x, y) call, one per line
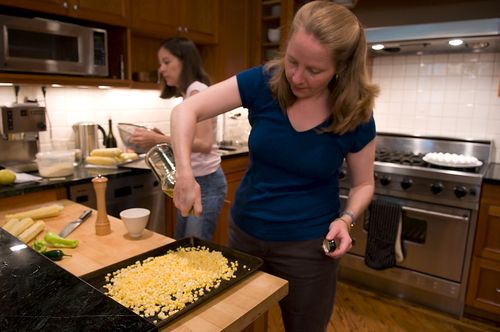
point(312, 277)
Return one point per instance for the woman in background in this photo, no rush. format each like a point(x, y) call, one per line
point(182, 75)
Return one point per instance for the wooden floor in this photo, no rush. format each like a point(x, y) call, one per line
point(361, 310)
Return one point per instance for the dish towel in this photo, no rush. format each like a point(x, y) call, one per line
point(383, 249)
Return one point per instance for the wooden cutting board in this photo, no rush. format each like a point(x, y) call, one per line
point(232, 310)
point(94, 252)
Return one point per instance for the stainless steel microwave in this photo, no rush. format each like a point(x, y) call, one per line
point(38, 45)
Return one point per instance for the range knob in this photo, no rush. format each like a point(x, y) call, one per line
point(460, 191)
point(406, 183)
point(342, 174)
point(385, 180)
point(436, 188)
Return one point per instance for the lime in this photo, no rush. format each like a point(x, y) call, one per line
point(7, 177)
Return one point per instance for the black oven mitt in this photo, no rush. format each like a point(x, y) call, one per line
point(385, 217)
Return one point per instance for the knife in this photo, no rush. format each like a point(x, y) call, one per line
point(75, 223)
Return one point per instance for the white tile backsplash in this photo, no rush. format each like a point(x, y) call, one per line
point(453, 95)
point(446, 95)
point(67, 106)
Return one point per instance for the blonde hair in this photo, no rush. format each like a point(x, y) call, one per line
point(352, 96)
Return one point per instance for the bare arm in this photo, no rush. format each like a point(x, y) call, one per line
point(204, 137)
point(360, 195)
point(215, 100)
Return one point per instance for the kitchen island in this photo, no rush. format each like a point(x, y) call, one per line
point(234, 309)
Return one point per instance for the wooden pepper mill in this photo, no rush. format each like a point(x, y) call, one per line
point(102, 226)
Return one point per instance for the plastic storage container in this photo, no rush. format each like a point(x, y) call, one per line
point(55, 163)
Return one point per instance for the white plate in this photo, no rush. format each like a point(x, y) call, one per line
point(431, 159)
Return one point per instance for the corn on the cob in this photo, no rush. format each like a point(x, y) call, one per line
point(30, 233)
point(100, 160)
point(21, 226)
point(9, 224)
point(40, 213)
point(108, 152)
point(128, 156)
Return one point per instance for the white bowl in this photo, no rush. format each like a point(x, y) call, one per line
point(135, 220)
point(55, 163)
point(276, 10)
point(273, 35)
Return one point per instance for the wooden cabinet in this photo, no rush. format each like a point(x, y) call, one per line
point(194, 19)
point(222, 29)
point(272, 15)
point(113, 12)
point(32, 198)
point(483, 293)
point(234, 169)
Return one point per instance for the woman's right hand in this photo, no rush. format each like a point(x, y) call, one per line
point(187, 196)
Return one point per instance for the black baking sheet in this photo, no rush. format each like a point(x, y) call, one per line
point(247, 264)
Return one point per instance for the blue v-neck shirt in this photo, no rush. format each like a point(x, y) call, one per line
point(290, 191)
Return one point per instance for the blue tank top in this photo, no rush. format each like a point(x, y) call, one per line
point(290, 191)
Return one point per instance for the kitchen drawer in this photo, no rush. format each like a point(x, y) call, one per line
point(484, 293)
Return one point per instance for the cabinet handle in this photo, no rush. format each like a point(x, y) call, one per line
point(65, 4)
point(75, 6)
point(185, 29)
point(179, 29)
point(498, 290)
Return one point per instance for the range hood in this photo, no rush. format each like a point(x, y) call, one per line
point(476, 36)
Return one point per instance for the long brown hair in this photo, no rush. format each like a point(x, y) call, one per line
point(352, 96)
point(192, 68)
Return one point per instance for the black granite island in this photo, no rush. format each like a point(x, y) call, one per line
point(38, 295)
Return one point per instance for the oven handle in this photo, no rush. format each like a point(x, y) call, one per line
point(437, 214)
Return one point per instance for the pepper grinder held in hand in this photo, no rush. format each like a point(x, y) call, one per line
point(102, 226)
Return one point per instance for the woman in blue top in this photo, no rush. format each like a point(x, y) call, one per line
point(308, 109)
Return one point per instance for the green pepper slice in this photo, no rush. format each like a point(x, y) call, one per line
point(55, 240)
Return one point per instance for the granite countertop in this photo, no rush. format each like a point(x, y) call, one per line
point(84, 174)
point(493, 174)
point(49, 298)
point(81, 174)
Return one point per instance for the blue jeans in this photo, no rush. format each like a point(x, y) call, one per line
point(213, 192)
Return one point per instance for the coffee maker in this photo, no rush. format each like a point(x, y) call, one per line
point(19, 142)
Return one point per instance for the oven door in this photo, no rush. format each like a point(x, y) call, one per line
point(434, 237)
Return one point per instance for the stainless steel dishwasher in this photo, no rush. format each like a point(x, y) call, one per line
point(138, 190)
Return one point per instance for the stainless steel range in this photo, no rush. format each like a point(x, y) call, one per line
point(438, 208)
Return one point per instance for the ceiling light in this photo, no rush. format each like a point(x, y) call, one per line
point(377, 47)
point(455, 42)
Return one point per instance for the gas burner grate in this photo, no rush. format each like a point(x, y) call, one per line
point(401, 158)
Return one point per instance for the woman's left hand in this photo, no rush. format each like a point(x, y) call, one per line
point(339, 231)
point(146, 139)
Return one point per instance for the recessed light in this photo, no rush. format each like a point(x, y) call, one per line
point(455, 42)
point(377, 47)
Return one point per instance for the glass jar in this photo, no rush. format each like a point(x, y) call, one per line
point(160, 159)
